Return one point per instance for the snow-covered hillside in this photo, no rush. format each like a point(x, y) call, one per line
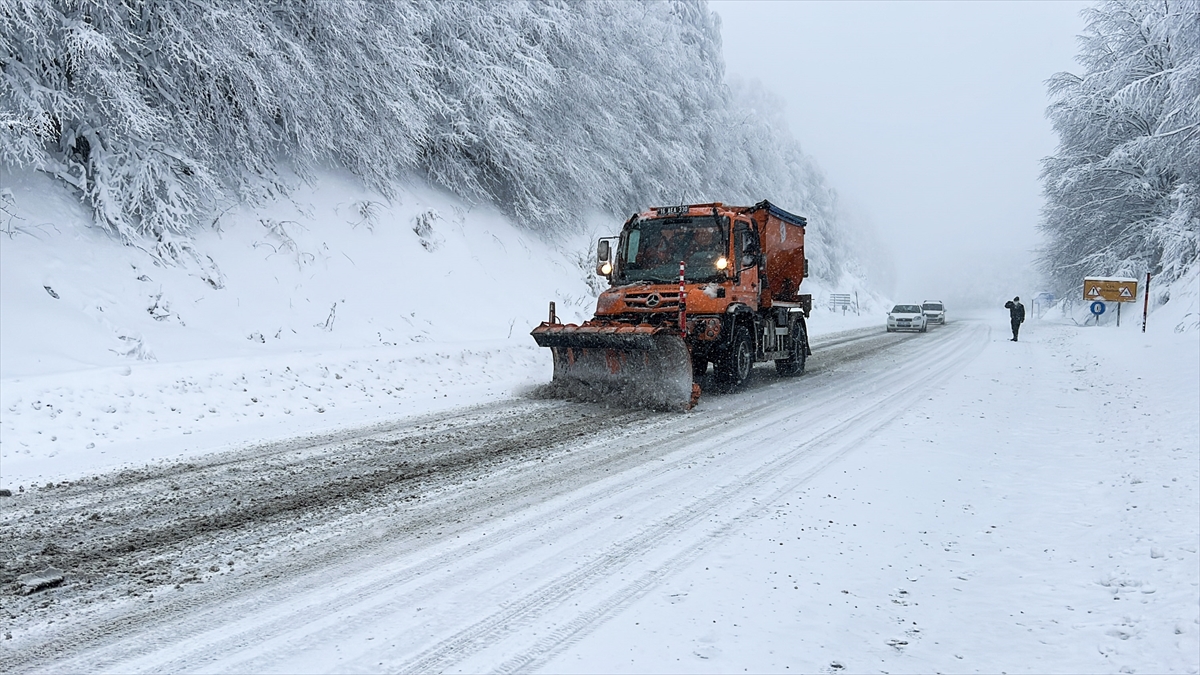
point(329, 307)
point(332, 266)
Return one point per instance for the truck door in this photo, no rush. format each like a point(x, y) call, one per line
point(747, 254)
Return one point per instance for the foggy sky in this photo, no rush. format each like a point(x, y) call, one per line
point(928, 119)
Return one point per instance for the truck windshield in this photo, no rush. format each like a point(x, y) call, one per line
point(652, 249)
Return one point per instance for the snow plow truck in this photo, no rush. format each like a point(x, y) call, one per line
point(688, 286)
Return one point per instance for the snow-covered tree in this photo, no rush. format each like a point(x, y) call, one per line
point(161, 112)
point(1123, 189)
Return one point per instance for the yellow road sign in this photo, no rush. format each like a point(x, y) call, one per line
point(1110, 289)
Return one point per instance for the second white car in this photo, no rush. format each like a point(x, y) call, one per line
point(934, 311)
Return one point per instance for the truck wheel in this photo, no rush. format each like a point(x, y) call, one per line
point(733, 366)
point(794, 365)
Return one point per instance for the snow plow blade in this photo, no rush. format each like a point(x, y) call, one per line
point(630, 366)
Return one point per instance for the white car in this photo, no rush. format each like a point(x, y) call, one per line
point(934, 311)
point(907, 317)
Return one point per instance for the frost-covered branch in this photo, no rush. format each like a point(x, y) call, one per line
point(1126, 132)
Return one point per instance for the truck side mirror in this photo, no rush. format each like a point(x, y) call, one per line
point(603, 258)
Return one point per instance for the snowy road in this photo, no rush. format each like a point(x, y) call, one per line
point(484, 541)
point(498, 539)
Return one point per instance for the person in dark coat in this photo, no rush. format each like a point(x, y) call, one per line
point(1016, 312)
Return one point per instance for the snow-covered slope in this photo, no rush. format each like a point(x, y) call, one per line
point(331, 266)
point(330, 307)
point(322, 309)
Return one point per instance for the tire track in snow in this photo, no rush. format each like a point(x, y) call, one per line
point(371, 602)
point(370, 586)
point(134, 494)
point(828, 446)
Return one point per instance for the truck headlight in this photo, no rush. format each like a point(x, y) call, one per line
point(722, 263)
point(606, 268)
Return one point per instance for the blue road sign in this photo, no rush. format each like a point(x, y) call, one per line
point(1097, 308)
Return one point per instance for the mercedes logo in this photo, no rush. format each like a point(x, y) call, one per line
point(653, 300)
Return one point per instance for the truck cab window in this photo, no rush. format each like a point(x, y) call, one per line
point(635, 237)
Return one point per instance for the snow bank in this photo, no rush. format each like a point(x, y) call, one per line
point(1181, 311)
